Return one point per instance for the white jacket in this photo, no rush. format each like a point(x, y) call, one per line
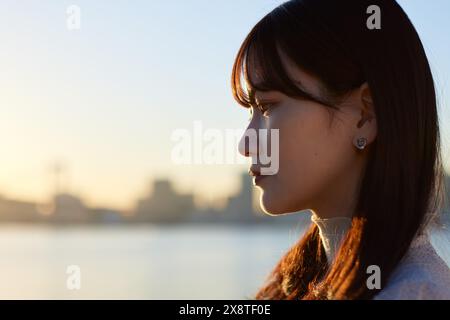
point(421, 275)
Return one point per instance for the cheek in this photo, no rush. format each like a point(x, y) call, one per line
point(311, 153)
point(305, 141)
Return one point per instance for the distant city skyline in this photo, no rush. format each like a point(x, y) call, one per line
point(103, 101)
point(161, 205)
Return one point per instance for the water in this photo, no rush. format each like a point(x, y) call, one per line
point(145, 262)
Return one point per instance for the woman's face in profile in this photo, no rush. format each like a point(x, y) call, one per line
point(317, 160)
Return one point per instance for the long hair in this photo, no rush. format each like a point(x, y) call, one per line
point(402, 182)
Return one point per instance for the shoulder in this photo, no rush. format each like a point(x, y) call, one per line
point(421, 275)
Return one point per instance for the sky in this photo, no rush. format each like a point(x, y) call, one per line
point(104, 100)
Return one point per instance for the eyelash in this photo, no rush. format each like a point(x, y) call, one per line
point(260, 107)
point(264, 107)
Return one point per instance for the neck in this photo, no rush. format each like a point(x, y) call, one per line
point(331, 231)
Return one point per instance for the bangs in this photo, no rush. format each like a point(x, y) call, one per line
point(259, 66)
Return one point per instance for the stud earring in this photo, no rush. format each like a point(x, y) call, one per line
point(361, 143)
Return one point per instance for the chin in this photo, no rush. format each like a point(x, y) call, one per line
point(275, 205)
point(270, 206)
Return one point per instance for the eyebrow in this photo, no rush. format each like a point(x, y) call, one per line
point(269, 94)
point(261, 92)
point(257, 100)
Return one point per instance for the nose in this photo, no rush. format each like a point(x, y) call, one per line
point(248, 144)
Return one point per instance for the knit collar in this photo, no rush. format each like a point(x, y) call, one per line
point(331, 231)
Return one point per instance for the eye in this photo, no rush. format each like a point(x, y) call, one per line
point(265, 108)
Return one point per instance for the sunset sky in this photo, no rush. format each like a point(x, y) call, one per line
point(104, 100)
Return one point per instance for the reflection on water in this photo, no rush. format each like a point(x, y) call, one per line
point(182, 262)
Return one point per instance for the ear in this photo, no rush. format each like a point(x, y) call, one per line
point(367, 124)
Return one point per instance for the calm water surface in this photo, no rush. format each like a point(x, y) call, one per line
point(145, 262)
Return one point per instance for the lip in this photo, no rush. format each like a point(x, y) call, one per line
point(255, 172)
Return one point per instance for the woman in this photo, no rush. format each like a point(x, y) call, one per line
point(355, 108)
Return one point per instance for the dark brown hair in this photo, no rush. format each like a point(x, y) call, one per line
point(402, 182)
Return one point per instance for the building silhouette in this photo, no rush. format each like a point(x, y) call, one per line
point(164, 205)
point(240, 206)
point(18, 211)
point(68, 208)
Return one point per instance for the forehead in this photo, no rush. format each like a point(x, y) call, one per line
point(301, 78)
